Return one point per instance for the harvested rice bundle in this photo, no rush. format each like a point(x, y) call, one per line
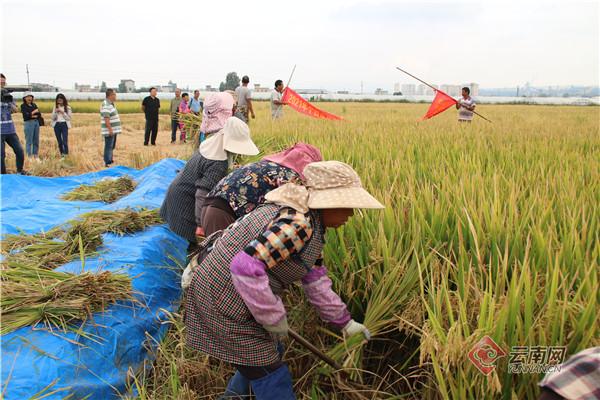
point(56, 299)
point(106, 190)
point(46, 253)
point(120, 222)
point(76, 238)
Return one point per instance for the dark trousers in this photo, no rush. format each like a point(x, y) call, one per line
point(174, 127)
point(151, 128)
point(109, 142)
point(214, 219)
point(13, 141)
point(61, 130)
point(114, 141)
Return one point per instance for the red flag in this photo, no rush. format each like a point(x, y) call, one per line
point(296, 101)
point(440, 103)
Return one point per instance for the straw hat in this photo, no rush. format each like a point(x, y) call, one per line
point(233, 138)
point(329, 184)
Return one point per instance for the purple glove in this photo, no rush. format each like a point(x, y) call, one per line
point(250, 279)
point(331, 308)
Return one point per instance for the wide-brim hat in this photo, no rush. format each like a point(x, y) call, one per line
point(236, 138)
point(329, 184)
point(27, 94)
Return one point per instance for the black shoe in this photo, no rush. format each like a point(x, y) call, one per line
point(153, 144)
point(172, 141)
point(145, 144)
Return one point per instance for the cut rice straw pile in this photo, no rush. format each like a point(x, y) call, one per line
point(77, 238)
point(56, 299)
point(106, 190)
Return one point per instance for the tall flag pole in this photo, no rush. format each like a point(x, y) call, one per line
point(441, 101)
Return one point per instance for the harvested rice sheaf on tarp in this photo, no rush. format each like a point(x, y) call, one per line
point(130, 282)
point(56, 299)
point(76, 238)
point(106, 190)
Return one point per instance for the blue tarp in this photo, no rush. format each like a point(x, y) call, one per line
point(70, 364)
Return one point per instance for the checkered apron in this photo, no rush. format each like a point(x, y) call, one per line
point(217, 320)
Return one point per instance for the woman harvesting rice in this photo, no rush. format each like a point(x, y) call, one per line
point(233, 307)
point(244, 189)
point(208, 166)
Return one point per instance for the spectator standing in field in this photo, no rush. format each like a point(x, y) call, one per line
point(184, 108)
point(61, 122)
point(244, 98)
point(276, 102)
point(465, 106)
point(195, 103)
point(151, 106)
point(8, 131)
point(110, 125)
point(174, 109)
point(31, 125)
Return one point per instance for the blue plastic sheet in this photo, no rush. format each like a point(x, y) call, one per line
point(36, 361)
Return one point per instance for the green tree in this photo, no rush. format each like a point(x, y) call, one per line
point(232, 80)
point(103, 87)
point(122, 88)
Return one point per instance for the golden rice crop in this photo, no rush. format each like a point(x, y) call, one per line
point(106, 190)
point(56, 299)
point(489, 229)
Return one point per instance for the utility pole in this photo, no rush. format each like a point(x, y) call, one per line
point(27, 69)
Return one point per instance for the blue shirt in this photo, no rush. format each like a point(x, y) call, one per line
point(7, 126)
point(195, 105)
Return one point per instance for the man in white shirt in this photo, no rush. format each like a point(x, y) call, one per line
point(276, 103)
point(465, 106)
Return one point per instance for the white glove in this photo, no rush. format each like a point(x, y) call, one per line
point(353, 327)
point(280, 330)
point(186, 277)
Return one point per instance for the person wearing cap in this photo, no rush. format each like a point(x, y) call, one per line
point(186, 194)
point(31, 125)
point(245, 188)
point(234, 310)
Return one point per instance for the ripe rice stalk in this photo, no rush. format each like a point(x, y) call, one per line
point(62, 244)
point(57, 299)
point(106, 190)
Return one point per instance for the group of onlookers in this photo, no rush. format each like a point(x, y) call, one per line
point(110, 120)
point(32, 121)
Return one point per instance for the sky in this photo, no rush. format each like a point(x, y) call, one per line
point(335, 44)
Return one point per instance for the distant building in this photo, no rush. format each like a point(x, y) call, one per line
point(343, 92)
point(43, 87)
point(397, 87)
point(86, 88)
point(260, 89)
point(451, 90)
point(128, 85)
point(168, 88)
point(408, 89)
point(381, 92)
point(209, 88)
point(474, 88)
point(311, 91)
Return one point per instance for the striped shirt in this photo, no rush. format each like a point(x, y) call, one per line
point(108, 110)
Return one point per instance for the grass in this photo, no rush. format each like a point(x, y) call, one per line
point(106, 190)
point(489, 229)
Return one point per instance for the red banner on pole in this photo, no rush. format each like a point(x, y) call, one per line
point(298, 103)
point(440, 103)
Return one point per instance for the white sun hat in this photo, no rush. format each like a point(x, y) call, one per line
point(329, 184)
point(233, 138)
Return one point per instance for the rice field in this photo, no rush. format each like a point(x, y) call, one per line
point(489, 229)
